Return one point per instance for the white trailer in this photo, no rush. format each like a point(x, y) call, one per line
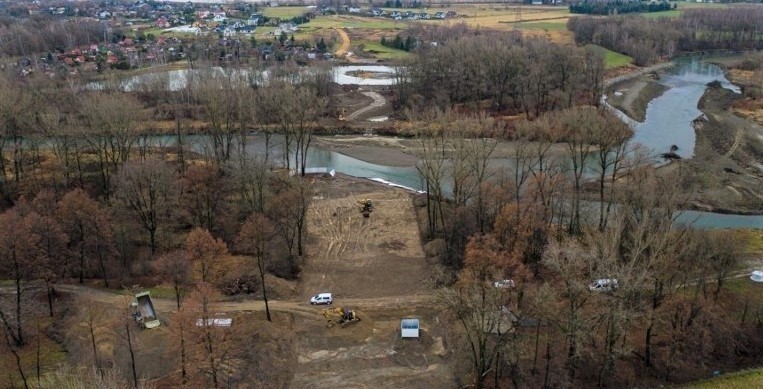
point(409, 328)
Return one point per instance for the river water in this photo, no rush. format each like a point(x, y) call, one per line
point(669, 117)
point(668, 122)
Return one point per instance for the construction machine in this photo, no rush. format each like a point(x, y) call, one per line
point(366, 207)
point(342, 316)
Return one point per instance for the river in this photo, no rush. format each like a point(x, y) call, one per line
point(669, 117)
point(668, 122)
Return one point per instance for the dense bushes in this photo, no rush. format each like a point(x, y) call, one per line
point(618, 7)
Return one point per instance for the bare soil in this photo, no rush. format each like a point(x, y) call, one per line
point(374, 265)
point(377, 266)
point(726, 173)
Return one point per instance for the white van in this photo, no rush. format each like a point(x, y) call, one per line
point(321, 298)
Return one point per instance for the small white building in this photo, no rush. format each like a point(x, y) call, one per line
point(409, 328)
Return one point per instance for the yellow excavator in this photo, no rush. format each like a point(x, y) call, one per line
point(342, 316)
point(366, 207)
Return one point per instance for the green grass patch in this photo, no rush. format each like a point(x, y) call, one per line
point(753, 240)
point(613, 59)
point(163, 292)
point(739, 380)
point(283, 12)
point(336, 21)
point(383, 52)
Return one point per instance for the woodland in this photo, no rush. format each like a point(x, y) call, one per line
point(92, 194)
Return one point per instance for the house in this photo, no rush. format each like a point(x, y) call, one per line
point(439, 15)
point(219, 16)
point(104, 15)
point(395, 14)
point(286, 27)
point(451, 14)
point(254, 19)
point(162, 22)
point(353, 10)
point(424, 15)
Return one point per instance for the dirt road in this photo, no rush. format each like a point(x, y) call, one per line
point(345, 45)
point(378, 101)
point(375, 266)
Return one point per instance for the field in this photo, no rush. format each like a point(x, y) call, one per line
point(613, 59)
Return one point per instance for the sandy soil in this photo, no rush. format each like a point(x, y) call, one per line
point(376, 266)
point(726, 172)
point(633, 97)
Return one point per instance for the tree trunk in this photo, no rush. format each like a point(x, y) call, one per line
point(177, 295)
point(50, 298)
point(18, 360)
point(19, 334)
point(132, 355)
point(264, 290)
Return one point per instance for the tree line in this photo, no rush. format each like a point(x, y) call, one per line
point(521, 76)
point(648, 40)
point(43, 34)
point(618, 7)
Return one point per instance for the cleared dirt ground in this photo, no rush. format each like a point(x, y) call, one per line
point(376, 266)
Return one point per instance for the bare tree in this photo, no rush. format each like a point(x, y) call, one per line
point(146, 188)
point(202, 196)
point(571, 262)
point(176, 267)
point(288, 211)
point(18, 258)
point(253, 240)
point(111, 120)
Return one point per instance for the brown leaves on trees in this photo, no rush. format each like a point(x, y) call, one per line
point(202, 196)
point(89, 228)
point(175, 267)
point(19, 259)
point(205, 252)
point(207, 347)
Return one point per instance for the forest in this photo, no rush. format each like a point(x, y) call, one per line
point(102, 188)
point(695, 30)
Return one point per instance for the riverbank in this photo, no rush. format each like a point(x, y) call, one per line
point(632, 97)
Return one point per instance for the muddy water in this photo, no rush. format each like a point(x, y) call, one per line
point(669, 117)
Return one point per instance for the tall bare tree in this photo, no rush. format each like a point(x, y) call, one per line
point(147, 189)
point(111, 120)
point(253, 239)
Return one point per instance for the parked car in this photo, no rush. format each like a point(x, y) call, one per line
point(504, 284)
point(603, 285)
point(321, 298)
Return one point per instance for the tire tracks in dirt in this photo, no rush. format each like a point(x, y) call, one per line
point(378, 102)
point(345, 45)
